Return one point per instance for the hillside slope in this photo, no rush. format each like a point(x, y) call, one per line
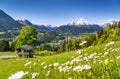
point(95, 62)
point(72, 29)
point(7, 22)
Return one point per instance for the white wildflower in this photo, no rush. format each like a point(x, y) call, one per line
point(66, 69)
point(26, 73)
point(48, 73)
point(34, 75)
point(56, 64)
point(91, 56)
point(105, 53)
point(111, 60)
point(28, 63)
point(50, 65)
point(103, 56)
point(94, 61)
point(34, 63)
point(118, 57)
point(43, 63)
point(105, 48)
point(27, 60)
point(99, 54)
point(117, 49)
point(67, 63)
point(87, 67)
point(85, 58)
point(100, 61)
point(60, 68)
point(78, 52)
point(110, 43)
point(90, 47)
point(77, 68)
point(45, 67)
point(18, 75)
point(83, 43)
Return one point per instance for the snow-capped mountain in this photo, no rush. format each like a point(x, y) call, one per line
point(110, 22)
point(78, 27)
point(81, 21)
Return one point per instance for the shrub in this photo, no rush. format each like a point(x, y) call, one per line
point(4, 45)
point(43, 53)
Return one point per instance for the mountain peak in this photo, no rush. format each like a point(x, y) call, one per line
point(109, 22)
point(72, 23)
point(81, 21)
point(25, 22)
point(24, 19)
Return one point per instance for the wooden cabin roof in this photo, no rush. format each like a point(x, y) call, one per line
point(26, 47)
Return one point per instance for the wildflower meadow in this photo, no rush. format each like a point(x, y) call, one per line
point(95, 62)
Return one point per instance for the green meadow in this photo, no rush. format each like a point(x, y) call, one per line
point(8, 54)
point(95, 62)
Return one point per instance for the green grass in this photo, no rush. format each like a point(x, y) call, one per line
point(8, 54)
point(102, 66)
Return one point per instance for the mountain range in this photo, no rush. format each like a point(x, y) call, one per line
point(25, 22)
point(80, 26)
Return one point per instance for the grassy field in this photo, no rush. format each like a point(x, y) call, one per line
point(95, 62)
point(8, 54)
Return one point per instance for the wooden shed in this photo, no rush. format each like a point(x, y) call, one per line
point(25, 51)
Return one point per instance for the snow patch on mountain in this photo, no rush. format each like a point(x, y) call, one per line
point(109, 22)
point(81, 21)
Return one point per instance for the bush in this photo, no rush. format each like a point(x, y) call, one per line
point(43, 53)
point(4, 45)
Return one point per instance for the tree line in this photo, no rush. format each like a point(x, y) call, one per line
point(110, 33)
point(28, 35)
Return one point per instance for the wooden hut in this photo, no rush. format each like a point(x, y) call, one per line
point(25, 51)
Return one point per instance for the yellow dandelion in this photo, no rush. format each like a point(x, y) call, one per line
point(106, 62)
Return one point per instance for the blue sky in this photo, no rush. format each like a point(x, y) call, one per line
point(58, 12)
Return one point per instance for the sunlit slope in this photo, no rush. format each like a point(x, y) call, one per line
point(95, 62)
